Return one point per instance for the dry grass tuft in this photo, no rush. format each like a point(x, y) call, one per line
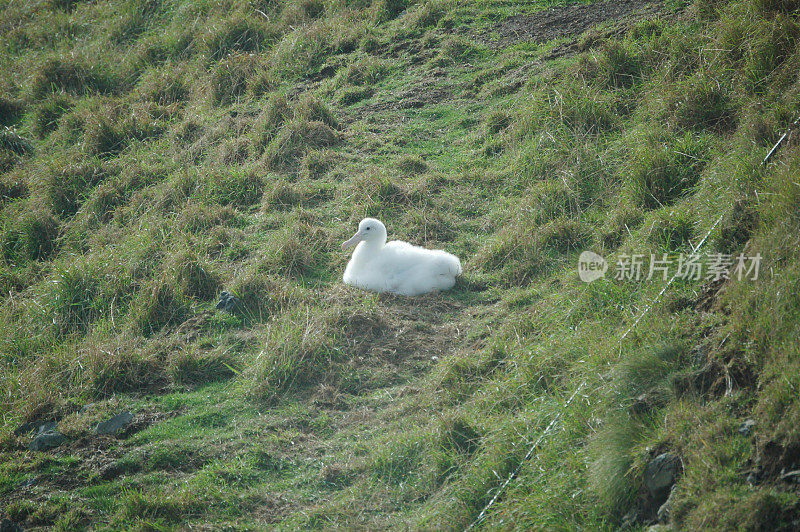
point(70, 75)
point(29, 235)
point(295, 139)
point(193, 275)
point(231, 76)
point(158, 305)
point(261, 295)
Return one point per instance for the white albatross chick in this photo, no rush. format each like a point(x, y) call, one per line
point(397, 267)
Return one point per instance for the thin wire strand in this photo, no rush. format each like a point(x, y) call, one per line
point(559, 415)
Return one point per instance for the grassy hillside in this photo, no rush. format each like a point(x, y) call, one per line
point(156, 152)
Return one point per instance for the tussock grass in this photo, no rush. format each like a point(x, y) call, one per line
point(519, 253)
point(164, 86)
point(11, 141)
point(193, 275)
point(302, 12)
point(75, 299)
point(700, 102)
point(44, 118)
point(615, 66)
point(198, 217)
point(317, 163)
point(310, 108)
point(565, 235)
point(8, 159)
point(759, 42)
point(612, 462)
point(302, 51)
point(459, 435)
point(239, 33)
point(29, 235)
point(158, 305)
point(296, 250)
point(497, 121)
point(385, 10)
point(13, 186)
point(620, 225)
point(154, 508)
point(190, 366)
point(423, 16)
point(662, 173)
point(231, 76)
point(73, 76)
point(11, 109)
point(240, 187)
point(280, 196)
point(353, 95)
point(65, 185)
point(288, 147)
point(262, 296)
point(642, 386)
point(296, 352)
point(585, 109)
point(456, 49)
point(366, 71)
point(377, 192)
point(234, 152)
point(286, 132)
point(276, 113)
point(412, 164)
point(671, 229)
point(108, 135)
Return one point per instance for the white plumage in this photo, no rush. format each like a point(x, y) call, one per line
point(397, 267)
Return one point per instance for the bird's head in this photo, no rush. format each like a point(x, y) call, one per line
point(370, 231)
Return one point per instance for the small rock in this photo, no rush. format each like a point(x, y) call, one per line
point(28, 483)
point(46, 441)
point(660, 474)
point(665, 511)
point(747, 427)
point(40, 428)
point(227, 302)
point(7, 525)
point(115, 424)
point(25, 428)
point(50, 426)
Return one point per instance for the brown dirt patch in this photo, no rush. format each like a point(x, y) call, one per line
point(400, 331)
point(97, 455)
point(710, 293)
point(567, 21)
point(427, 91)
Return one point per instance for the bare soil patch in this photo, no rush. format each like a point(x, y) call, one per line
point(427, 91)
point(567, 21)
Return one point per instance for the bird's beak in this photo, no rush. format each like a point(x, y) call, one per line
point(355, 239)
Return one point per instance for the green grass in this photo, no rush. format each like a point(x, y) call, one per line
point(155, 153)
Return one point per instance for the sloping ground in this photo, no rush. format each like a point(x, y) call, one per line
point(158, 152)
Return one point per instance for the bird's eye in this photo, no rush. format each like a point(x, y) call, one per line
point(367, 229)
